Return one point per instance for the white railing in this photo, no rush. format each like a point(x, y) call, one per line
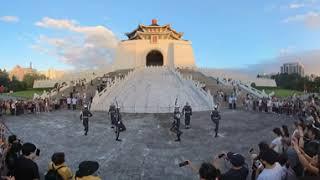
point(206, 96)
point(100, 100)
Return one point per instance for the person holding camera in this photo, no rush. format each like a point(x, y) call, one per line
point(25, 167)
point(207, 171)
point(12, 153)
point(270, 168)
point(239, 169)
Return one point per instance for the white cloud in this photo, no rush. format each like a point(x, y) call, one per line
point(9, 19)
point(310, 19)
point(89, 46)
point(296, 5)
point(309, 59)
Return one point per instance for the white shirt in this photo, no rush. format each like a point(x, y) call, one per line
point(74, 101)
point(278, 144)
point(276, 173)
point(68, 100)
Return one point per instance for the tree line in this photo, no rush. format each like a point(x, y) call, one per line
point(296, 82)
point(14, 84)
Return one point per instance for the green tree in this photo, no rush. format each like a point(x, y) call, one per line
point(29, 79)
point(16, 85)
point(4, 78)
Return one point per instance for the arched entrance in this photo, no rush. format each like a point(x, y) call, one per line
point(154, 58)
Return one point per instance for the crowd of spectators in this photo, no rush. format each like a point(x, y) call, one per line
point(17, 162)
point(289, 156)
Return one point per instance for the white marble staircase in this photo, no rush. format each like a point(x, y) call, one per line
point(152, 90)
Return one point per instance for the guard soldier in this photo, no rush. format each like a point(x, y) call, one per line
point(118, 123)
point(187, 111)
point(176, 123)
point(112, 112)
point(84, 116)
point(215, 117)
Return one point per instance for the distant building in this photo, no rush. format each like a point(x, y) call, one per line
point(52, 73)
point(292, 68)
point(19, 72)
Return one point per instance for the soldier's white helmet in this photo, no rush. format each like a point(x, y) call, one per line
point(85, 106)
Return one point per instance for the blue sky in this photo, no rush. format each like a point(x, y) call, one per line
point(224, 33)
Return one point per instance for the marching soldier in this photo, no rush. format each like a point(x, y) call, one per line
point(215, 117)
point(84, 116)
point(176, 123)
point(118, 123)
point(187, 111)
point(112, 112)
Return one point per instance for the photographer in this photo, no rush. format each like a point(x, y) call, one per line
point(25, 167)
point(239, 170)
point(270, 168)
point(206, 171)
point(12, 154)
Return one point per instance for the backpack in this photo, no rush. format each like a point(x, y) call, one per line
point(53, 174)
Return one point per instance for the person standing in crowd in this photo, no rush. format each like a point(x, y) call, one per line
point(239, 169)
point(74, 103)
point(84, 116)
point(234, 102)
point(112, 112)
point(25, 167)
point(69, 102)
point(215, 117)
point(230, 101)
point(176, 123)
point(276, 144)
point(207, 171)
point(86, 171)
point(58, 167)
point(271, 169)
point(119, 124)
point(187, 111)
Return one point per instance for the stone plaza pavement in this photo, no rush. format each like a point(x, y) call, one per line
point(147, 150)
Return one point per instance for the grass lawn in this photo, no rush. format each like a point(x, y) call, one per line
point(27, 93)
point(280, 92)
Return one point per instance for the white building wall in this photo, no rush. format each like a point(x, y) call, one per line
point(133, 53)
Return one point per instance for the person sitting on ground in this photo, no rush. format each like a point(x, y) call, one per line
point(270, 169)
point(86, 171)
point(58, 164)
point(25, 167)
point(239, 170)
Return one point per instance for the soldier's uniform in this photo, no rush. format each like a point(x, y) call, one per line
point(112, 112)
point(187, 111)
point(215, 117)
point(84, 116)
point(118, 123)
point(176, 123)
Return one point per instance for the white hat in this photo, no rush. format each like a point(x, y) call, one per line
point(85, 106)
